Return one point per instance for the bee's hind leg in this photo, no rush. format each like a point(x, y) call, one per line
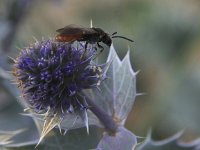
point(85, 49)
point(101, 47)
point(86, 44)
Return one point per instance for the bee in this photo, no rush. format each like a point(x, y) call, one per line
point(91, 35)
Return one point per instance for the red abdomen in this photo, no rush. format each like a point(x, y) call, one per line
point(63, 38)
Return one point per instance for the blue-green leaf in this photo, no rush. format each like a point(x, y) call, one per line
point(12, 121)
point(75, 140)
point(116, 95)
point(122, 140)
point(171, 143)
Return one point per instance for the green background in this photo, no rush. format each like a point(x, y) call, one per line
point(166, 50)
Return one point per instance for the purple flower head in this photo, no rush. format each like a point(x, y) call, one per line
point(52, 75)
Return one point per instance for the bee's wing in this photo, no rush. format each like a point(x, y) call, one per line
point(74, 30)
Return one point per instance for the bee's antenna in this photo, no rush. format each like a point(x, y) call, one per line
point(114, 33)
point(122, 38)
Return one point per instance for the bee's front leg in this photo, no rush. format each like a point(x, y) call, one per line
point(85, 49)
point(101, 47)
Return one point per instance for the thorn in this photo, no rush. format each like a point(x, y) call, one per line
point(91, 24)
point(18, 48)
point(99, 83)
point(14, 60)
point(98, 89)
point(141, 94)
point(86, 122)
point(24, 114)
point(35, 38)
point(128, 47)
point(26, 109)
point(59, 127)
point(137, 72)
point(149, 133)
point(140, 137)
point(65, 131)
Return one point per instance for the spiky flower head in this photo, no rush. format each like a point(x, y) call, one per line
point(51, 75)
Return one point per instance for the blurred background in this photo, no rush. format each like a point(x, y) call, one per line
point(166, 51)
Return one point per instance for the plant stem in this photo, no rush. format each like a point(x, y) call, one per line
point(105, 119)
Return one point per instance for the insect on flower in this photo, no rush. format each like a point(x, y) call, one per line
point(91, 35)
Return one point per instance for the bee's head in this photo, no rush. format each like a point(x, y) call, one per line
point(106, 39)
point(103, 36)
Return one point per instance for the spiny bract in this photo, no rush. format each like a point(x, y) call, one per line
point(51, 75)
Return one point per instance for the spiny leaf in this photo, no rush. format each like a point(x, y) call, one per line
point(116, 97)
point(123, 140)
point(171, 143)
point(68, 122)
point(6, 136)
point(77, 120)
point(11, 122)
point(75, 140)
point(84, 116)
point(117, 93)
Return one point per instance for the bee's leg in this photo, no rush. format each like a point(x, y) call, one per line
point(85, 49)
point(86, 44)
point(95, 48)
point(101, 47)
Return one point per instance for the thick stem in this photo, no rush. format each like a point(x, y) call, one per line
point(105, 119)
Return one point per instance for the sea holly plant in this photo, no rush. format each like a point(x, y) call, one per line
point(63, 87)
